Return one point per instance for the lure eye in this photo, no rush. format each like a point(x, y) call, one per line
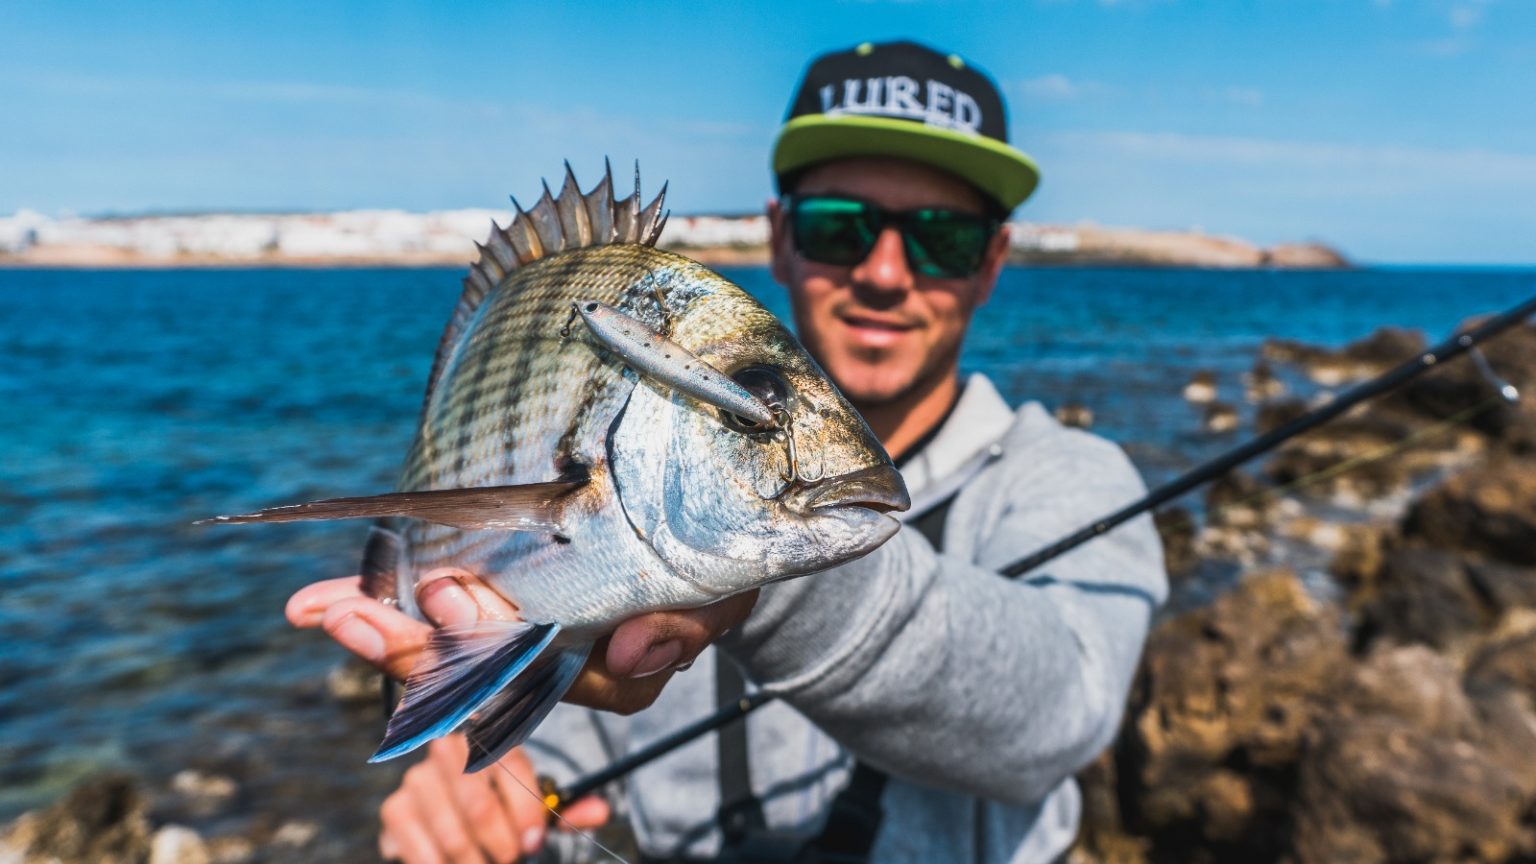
point(767, 385)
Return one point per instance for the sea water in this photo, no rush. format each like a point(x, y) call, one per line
point(134, 402)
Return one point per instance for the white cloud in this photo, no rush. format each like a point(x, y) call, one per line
point(1471, 165)
point(1056, 87)
point(1250, 97)
point(1468, 14)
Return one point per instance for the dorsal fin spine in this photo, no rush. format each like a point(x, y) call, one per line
point(554, 224)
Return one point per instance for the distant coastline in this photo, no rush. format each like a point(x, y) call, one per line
point(391, 238)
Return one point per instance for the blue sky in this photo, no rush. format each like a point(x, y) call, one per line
point(1403, 131)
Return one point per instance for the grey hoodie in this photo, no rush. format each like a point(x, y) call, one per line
point(980, 695)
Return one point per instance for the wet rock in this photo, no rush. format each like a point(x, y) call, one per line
point(1490, 510)
point(1273, 415)
point(1373, 355)
point(1076, 415)
point(354, 682)
point(1382, 789)
point(1342, 460)
point(199, 794)
point(1412, 683)
point(1261, 385)
point(1217, 719)
point(1219, 419)
point(1240, 546)
point(178, 844)
point(295, 834)
point(1501, 682)
point(1508, 731)
point(1176, 527)
point(1238, 500)
point(1361, 555)
point(1507, 657)
point(1504, 586)
point(1421, 595)
point(232, 849)
point(1102, 837)
point(1459, 386)
point(1201, 388)
point(102, 821)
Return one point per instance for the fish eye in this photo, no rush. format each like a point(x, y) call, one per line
point(767, 384)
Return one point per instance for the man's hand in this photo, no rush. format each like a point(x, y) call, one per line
point(624, 673)
point(439, 813)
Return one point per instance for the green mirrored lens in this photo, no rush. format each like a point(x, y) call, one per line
point(833, 230)
point(946, 244)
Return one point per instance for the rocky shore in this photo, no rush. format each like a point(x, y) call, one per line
point(1374, 700)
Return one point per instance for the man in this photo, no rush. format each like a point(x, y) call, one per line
point(966, 700)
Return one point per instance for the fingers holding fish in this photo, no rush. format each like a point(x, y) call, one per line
point(627, 673)
point(385, 637)
point(452, 596)
point(597, 687)
point(648, 644)
point(307, 605)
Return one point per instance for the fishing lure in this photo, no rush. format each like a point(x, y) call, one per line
point(666, 362)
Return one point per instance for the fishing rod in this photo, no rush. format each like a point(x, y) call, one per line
point(557, 797)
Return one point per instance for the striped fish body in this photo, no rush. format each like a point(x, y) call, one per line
point(527, 396)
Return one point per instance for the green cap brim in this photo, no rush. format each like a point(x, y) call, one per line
point(1002, 172)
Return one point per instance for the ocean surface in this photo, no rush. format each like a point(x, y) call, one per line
point(133, 402)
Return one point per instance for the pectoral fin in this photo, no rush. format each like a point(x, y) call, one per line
point(505, 720)
point(531, 507)
point(463, 668)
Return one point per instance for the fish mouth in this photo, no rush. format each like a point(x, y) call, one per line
point(878, 488)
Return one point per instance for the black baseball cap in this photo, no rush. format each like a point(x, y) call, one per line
point(908, 100)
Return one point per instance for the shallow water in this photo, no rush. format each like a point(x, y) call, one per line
point(135, 402)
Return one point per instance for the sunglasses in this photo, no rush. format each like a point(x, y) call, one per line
point(842, 231)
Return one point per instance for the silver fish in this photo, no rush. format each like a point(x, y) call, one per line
point(608, 430)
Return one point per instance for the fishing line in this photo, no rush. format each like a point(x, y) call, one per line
point(1382, 452)
point(544, 802)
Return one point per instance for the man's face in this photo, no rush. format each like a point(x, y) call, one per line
point(879, 329)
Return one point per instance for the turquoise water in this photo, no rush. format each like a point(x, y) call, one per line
point(136, 402)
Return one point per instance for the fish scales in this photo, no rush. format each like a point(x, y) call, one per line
point(585, 491)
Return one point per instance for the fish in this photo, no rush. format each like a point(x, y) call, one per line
point(609, 429)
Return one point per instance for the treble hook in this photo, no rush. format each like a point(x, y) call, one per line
point(786, 427)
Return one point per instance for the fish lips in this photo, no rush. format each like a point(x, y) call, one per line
point(879, 488)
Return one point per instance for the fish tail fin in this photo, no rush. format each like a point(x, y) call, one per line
point(507, 719)
point(462, 669)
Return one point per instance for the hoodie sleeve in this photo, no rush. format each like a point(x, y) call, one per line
point(935, 668)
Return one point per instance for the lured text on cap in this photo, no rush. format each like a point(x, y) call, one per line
point(898, 96)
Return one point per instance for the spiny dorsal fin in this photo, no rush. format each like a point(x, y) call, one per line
point(570, 221)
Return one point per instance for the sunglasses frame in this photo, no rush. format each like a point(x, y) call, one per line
point(879, 218)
